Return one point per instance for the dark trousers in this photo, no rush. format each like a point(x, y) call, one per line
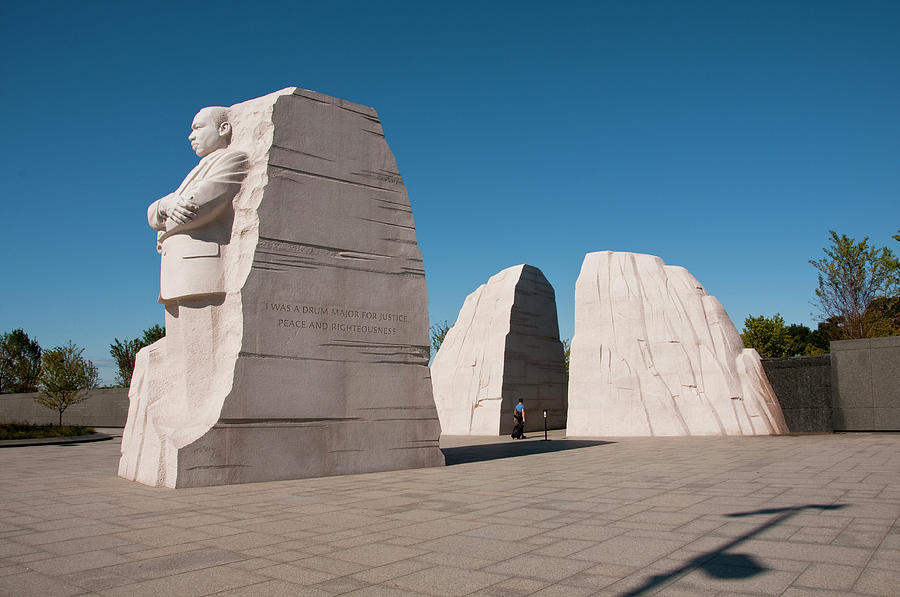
point(519, 429)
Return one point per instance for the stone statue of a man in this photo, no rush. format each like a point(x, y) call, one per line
point(194, 222)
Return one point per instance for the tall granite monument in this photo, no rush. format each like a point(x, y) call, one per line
point(504, 346)
point(296, 309)
point(654, 354)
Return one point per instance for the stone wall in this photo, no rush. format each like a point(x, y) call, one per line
point(855, 388)
point(866, 381)
point(803, 387)
point(104, 408)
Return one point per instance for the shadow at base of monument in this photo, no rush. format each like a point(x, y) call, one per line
point(479, 453)
point(721, 565)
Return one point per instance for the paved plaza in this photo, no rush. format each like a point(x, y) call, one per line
point(793, 516)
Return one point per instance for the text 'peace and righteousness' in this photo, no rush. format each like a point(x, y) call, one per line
point(336, 319)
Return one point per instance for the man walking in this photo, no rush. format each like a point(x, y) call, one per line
point(519, 419)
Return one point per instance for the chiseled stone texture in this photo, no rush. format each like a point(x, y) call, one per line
point(653, 354)
point(316, 361)
point(504, 346)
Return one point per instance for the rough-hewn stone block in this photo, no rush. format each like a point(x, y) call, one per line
point(504, 346)
point(654, 354)
point(314, 359)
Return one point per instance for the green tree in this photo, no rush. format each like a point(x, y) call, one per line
point(768, 335)
point(152, 334)
point(64, 374)
point(567, 351)
point(806, 342)
point(851, 276)
point(438, 333)
point(882, 317)
point(20, 362)
point(125, 351)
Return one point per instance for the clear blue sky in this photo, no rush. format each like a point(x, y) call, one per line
point(727, 137)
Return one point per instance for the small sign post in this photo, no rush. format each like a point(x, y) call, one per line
point(545, 425)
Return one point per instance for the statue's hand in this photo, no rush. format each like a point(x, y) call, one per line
point(182, 211)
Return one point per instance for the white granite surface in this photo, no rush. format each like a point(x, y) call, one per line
point(654, 354)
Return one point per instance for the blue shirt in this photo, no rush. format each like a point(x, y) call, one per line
point(520, 407)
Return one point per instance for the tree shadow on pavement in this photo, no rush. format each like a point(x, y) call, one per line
point(718, 564)
point(479, 453)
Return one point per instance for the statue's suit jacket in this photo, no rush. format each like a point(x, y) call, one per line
point(192, 263)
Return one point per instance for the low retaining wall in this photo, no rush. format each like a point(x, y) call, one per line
point(803, 387)
point(866, 380)
point(855, 388)
point(104, 408)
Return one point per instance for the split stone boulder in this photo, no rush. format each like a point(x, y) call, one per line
point(313, 360)
point(654, 355)
point(504, 346)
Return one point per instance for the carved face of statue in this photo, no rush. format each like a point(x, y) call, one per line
point(206, 135)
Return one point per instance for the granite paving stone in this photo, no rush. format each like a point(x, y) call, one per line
point(376, 555)
point(539, 567)
point(831, 554)
point(628, 550)
point(686, 589)
point(96, 579)
point(457, 560)
point(254, 564)
point(829, 576)
point(561, 549)
point(341, 585)
point(78, 562)
point(563, 591)
point(145, 553)
point(9, 569)
point(878, 582)
point(590, 581)
point(728, 578)
point(436, 528)
point(189, 584)
point(76, 546)
point(586, 532)
point(510, 531)
point(177, 563)
point(28, 584)
point(10, 548)
point(884, 558)
point(380, 574)
point(402, 541)
point(275, 588)
point(382, 591)
point(162, 536)
point(331, 565)
point(490, 550)
point(792, 516)
point(794, 591)
point(514, 586)
point(27, 558)
point(444, 581)
point(295, 574)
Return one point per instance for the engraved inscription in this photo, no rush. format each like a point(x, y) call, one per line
point(324, 318)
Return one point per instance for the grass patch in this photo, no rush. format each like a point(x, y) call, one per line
point(29, 431)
